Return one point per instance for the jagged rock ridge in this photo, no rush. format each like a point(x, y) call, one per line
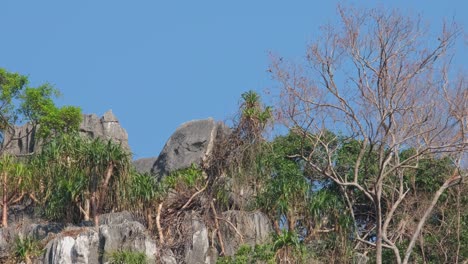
point(23, 141)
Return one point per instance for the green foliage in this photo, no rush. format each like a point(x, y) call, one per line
point(16, 180)
point(71, 167)
point(17, 173)
point(287, 238)
point(142, 191)
point(127, 257)
point(247, 254)
point(34, 104)
point(188, 178)
point(286, 245)
point(142, 188)
point(254, 117)
point(24, 249)
point(11, 86)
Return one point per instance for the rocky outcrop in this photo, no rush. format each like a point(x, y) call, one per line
point(38, 231)
point(144, 165)
point(117, 231)
point(237, 228)
point(75, 245)
point(105, 127)
point(191, 143)
point(255, 228)
point(22, 140)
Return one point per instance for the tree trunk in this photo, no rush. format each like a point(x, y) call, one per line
point(87, 210)
point(5, 202)
point(378, 242)
point(149, 219)
point(105, 185)
point(4, 214)
point(94, 208)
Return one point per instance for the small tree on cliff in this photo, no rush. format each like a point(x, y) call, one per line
point(21, 103)
point(385, 85)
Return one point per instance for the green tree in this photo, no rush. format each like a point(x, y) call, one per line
point(22, 103)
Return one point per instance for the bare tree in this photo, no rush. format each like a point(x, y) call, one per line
point(383, 81)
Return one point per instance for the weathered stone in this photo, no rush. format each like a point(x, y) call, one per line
point(37, 231)
point(191, 143)
point(107, 127)
point(144, 165)
point(196, 251)
point(254, 227)
point(75, 245)
point(22, 140)
point(130, 236)
point(117, 231)
point(116, 218)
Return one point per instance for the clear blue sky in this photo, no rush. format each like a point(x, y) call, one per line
point(158, 64)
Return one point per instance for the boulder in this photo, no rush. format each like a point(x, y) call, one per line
point(144, 165)
point(191, 143)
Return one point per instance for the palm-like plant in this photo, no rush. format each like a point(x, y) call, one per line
point(254, 117)
point(105, 162)
point(15, 178)
point(78, 171)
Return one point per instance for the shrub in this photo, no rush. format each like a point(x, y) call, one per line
point(25, 249)
point(127, 257)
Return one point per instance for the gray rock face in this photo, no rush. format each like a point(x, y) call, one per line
point(23, 139)
point(36, 230)
point(250, 228)
point(117, 231)
point(106, 127)
point(144, 165)
point(255, 228)
point(190, 144)
point(130, 236)
point(197, 249)
point(77, 245)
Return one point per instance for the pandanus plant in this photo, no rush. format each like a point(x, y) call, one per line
point(79, 172)
point(15, 178)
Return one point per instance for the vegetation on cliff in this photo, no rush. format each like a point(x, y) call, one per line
point(372, 166)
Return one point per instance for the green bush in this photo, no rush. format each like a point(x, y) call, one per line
point(127, 257)
point(25, 249)
point(247, 254)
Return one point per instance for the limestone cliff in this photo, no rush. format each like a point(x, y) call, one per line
point(23, 140)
